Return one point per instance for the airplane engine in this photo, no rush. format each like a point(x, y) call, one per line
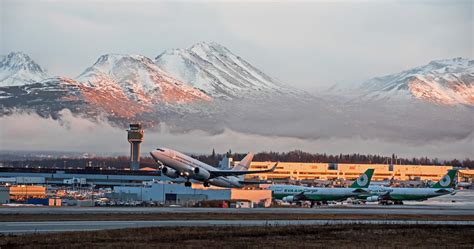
point(373, 198)
point(289, 198)
point(169, 172)
point(201, 174)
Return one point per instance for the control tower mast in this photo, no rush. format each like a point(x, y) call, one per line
point(135, 137)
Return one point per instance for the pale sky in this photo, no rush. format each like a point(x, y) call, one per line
point(310, 45)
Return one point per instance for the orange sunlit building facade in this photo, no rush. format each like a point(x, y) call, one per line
point(23, 192)
point(328, 171)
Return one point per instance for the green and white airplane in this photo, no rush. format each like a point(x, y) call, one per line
point(389, 195)
point(292, 193)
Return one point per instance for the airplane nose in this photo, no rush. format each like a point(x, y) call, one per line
point(153, 155)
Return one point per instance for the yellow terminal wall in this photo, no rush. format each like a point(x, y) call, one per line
point(27, 191)
point(325, 171)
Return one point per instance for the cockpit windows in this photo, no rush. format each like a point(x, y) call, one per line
point(162, 150)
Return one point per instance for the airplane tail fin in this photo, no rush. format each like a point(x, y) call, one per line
point(448, 180)
point(244, 165)
point(364, 180)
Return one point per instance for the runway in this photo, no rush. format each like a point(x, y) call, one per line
point(359, 209)
point(65, 226)
point(450, 213)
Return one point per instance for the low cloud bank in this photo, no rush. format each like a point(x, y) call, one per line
point(29, 132)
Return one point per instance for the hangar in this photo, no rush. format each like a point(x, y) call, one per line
point(171, 193)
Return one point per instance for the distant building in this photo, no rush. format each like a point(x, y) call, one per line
point(226, 163)
point(23, 192)
point(179, 194)
point(4, 195)
point(331, 171)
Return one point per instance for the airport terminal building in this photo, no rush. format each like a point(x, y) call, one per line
point(332, 171)
point(284, 171)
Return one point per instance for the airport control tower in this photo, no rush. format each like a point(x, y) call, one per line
point(135, 137)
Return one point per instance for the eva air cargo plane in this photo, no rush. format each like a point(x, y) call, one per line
point(292, 193)
point(388, 195)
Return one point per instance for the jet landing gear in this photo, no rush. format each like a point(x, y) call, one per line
point(383, 202)
point(187, 183)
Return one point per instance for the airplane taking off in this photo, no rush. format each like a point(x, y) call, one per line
point(388, 195)
point(292, 193)
point(175, 164)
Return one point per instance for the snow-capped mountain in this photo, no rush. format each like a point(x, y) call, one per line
point(218, 91)
point(443, 82)
point(138, 78)
point(18, 68)
point(118, 87)
point(50, 96)
point(217, 71)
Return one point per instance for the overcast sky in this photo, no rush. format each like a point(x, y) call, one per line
point(305, 44)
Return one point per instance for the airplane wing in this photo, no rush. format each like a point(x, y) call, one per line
point(385, 196)
point(300, 197)
point(442, 190)
point(217, 173)
point(359, 190)
point(255, 182)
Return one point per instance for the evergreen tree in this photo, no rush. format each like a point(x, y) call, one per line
point(213, 153)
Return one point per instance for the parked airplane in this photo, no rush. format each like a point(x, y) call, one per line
point(292, 193)
point(388, 195)
point(175, 164)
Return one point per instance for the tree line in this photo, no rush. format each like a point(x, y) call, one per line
point(214, 159)
point(305, 157)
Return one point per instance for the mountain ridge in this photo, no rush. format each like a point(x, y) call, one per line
point(17, 68)
point(216, 70)
point(127, 88)
point(444, 82)
point(137, 77)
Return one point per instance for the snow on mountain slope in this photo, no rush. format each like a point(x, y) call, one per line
point(217, 71)
point(50, 96)
point(138, 78)
point(444, 82)
point(124, 88)
point(18, 68)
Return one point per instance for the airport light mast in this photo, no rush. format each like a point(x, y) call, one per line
point(135, 137)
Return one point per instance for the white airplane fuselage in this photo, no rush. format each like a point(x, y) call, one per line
point(313, 193)
point(185, 166)
point(408, 193)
